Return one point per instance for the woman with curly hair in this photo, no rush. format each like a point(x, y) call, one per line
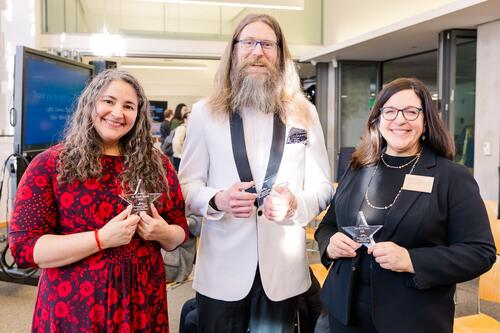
point(101, 261)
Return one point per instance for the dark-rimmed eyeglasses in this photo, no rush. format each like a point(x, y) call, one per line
point(249, 44)
point(410, 113)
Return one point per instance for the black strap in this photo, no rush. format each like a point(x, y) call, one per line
point(241, 158)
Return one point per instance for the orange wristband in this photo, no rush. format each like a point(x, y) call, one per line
point(96, 235)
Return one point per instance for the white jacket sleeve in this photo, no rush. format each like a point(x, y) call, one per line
point(194, 167)
point(318, 190)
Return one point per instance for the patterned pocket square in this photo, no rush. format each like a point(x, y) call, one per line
point(297, 135)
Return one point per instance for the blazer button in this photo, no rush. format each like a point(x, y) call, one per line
point(353, 268)
point(259, 212)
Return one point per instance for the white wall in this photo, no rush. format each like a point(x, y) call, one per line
point(178, 86)
point(164, 83)
point(299, 27)
point(345, 19)
point(178, 19)
point(17, 27)
point(487, 109)
point(170, 84)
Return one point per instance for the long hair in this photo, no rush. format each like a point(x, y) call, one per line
point(292, 102)
point(178, 111)
point(82, 146)
point(372, 143)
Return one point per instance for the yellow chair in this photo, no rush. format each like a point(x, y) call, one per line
point(310, 233)
point(489, 290)
point(320, 272)
point(311, 229)
point(320, 216)
point(312, 245)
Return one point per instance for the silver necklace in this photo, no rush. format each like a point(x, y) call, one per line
point(400, 189)
point(398, 166)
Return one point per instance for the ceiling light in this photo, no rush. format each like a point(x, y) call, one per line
point(105, 44)
point(197, 68)
point(276, 4)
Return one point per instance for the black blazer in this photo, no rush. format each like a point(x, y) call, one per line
point(448, 236)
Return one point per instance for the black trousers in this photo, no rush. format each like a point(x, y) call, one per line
point(189, 317)
point(361, 314)
point(256, 313)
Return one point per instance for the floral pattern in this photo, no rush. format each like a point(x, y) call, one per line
point(116, 290)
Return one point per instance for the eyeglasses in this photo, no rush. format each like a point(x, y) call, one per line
point(410, 113)
point(249, 44)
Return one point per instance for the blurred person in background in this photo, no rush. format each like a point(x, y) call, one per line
point(179, 139)
point(166, 124)
point(180, 111)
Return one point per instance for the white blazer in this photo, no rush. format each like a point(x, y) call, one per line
point(231, 248)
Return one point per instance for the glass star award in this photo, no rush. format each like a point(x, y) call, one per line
point(140, 201)
point(362, 232)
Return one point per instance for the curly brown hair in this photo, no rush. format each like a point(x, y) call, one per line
point(82, 149)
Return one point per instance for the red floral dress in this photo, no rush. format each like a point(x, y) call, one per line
point(119, 289)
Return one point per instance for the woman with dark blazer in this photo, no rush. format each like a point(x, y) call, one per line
point(435, 230)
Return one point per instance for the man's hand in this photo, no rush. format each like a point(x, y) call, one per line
point(280, 204)
point(392, 256)
point(236, 201)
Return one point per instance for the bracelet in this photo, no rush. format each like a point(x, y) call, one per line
point(96, 236)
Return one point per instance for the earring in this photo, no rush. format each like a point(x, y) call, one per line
point(423, 137)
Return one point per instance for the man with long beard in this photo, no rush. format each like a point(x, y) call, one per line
point(255, 167)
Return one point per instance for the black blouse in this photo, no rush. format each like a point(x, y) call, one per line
point(383, 188)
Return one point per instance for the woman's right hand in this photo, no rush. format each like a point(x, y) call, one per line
point(119, 230)
point(341, 246)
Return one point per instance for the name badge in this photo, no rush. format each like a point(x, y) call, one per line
point(418, 183)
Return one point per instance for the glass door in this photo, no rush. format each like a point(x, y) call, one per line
point(457, 89)
point(357, 85)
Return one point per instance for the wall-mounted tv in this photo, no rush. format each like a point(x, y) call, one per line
point(46, 90)
point(157, 110)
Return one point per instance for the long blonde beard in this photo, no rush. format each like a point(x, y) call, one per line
point(259, 91)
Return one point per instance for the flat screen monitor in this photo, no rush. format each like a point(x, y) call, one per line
point(46, 90)
point(157, 110)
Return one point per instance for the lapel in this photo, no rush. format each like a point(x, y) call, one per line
point(241, 158)
point(407, 198)
point(355, 194)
